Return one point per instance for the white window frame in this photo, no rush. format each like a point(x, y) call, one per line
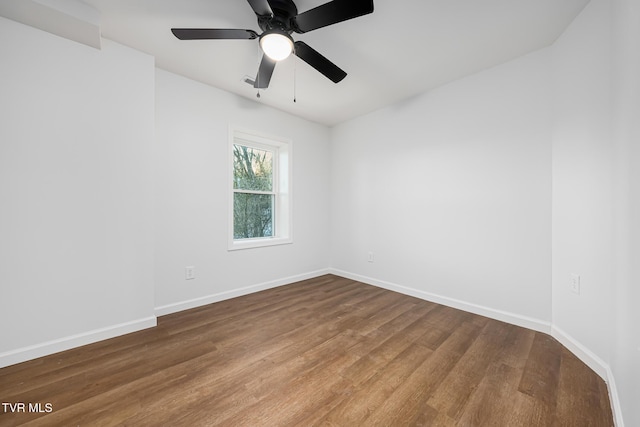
point(282, 174)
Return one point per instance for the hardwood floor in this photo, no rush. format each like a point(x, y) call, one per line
point(327, 351)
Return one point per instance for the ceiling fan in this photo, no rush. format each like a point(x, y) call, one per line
point(278, 19)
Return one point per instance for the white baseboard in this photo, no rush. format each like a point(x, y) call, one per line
point(598, 365)
point(221, 296)
point(504, 316)
point(615, 399)
point(583, 353)
point(580, 351)
point(66, 343)
point(50, 347)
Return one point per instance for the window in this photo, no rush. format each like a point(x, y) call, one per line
point(260, 203)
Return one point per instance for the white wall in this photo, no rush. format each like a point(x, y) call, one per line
point(191, 222)
point(76, 245)
point(451, 192)
point(596, 194)
point(582, 173)
point(625, 339)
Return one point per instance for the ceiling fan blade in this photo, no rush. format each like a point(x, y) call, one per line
point(261, 7)
point(213, 33)
point(319, 62)
point(331, 13)
point(267, 65)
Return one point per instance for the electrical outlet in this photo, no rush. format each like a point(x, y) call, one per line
point(370, 257)
point(189, 273)
point(574, 285)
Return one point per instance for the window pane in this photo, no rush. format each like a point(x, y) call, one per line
point(252, 215)
point(252, 168)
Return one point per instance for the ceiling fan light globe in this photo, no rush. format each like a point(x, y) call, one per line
point(277, 46)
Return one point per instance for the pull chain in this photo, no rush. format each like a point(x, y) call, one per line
point(294, 78)
point(258, 84)
point(258, 79)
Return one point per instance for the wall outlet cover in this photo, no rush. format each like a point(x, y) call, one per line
point(574, 285)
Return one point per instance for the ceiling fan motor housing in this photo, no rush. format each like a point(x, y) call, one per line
point(283, 13)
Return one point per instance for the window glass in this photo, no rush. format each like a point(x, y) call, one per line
point(252, 168)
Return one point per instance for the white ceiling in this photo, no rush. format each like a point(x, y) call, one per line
point(405, 47)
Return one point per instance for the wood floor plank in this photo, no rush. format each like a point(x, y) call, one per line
point(326, 351)
point(574, 409)
point(379, 348)
point(289, 401)
point(425, 380)
point(542, 370)
point(461, 382)
point(491, 402)
point(374, 392)
point(529, 411)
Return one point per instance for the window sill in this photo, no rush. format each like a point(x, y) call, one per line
point(258, 243)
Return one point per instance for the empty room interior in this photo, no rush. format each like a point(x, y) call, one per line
point(195, 233)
